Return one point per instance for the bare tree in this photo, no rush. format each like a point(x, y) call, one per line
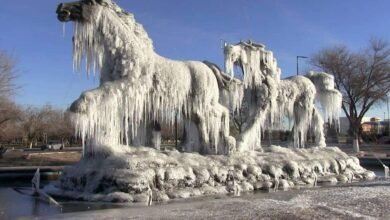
point(363, 78)
point(46, 123)
point(8, 111)
point(7, 74)
point(9, 120)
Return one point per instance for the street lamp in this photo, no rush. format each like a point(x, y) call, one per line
point(303, 57)
point(388, 115)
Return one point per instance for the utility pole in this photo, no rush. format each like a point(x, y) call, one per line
point(176, 132)
point(303, 57)
point(388, 116)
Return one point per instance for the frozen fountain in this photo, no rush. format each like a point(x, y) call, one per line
point(140, 91)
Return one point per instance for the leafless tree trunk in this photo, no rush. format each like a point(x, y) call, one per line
point(7, 74)
point(8, 110)
point(363, 78)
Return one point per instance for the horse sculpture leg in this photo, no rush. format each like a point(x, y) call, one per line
point(227, 143)
point(265, 99)
point(317, 128)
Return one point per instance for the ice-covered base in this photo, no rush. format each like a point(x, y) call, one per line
point(125, 176)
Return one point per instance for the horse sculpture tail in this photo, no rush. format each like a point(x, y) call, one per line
point(231, 91)
point(222, 82)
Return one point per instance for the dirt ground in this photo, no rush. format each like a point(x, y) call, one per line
point(19, 158)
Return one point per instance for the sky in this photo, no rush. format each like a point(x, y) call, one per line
point(186, 30)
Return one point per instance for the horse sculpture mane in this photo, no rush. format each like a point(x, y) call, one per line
point(138, 86)
point(106, 24)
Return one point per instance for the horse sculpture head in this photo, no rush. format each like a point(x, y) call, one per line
point(234, 56)
point(103, 32)
point(254, 60)
point(80, 11)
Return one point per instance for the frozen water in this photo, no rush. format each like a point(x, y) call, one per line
point(346, 202)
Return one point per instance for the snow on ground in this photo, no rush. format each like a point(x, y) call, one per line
point(369, 200)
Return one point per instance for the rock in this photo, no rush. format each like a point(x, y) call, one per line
point(174, 174)
point(143, 197)
point(189, 176)
point(283, 184)
point(208, 190)
point(119, 197)
point(292, 169)
point(368, 175)
point(195, 192)
point(160, 196)
point(179, 194)
point(202, 175)
point(267, 185)
point(358, 176)
point(308, 180)
point(258, 185)
point(221, 176)
point(241, 167)
point(342, 178)
point(238, 175)
point(251, 178)
point(327, 180)
point(213, 171)
point(334, 166)
point(211, 182)
point(221, 190)
point(160, 174)
point(254, 170)
point(342, 164)
point(264, 177)
point(245, 186)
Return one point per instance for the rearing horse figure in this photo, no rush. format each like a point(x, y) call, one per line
point(272, 98)
point(138, 86)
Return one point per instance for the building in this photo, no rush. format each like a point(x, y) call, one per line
point(374, 126)
point(344, 124)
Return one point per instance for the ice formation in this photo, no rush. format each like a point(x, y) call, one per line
point(139, 89)
point(126, 176)
point(138, 86)
point(277, 99)
point(329, 98)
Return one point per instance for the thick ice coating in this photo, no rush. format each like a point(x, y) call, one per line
point(272, 99)
point(139, 87)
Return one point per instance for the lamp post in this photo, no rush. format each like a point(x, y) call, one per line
point(303, 57)
point(388, 116)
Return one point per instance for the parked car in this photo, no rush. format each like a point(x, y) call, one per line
point(53, 146)
point(384, 140)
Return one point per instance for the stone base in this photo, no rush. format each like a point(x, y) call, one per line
point(126, 176)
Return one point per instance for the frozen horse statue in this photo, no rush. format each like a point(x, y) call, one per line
point(274, 99)
point(138, 86)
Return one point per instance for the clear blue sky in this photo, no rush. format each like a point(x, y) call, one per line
point(189, 29)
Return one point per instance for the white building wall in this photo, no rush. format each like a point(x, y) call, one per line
point(344, 124)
